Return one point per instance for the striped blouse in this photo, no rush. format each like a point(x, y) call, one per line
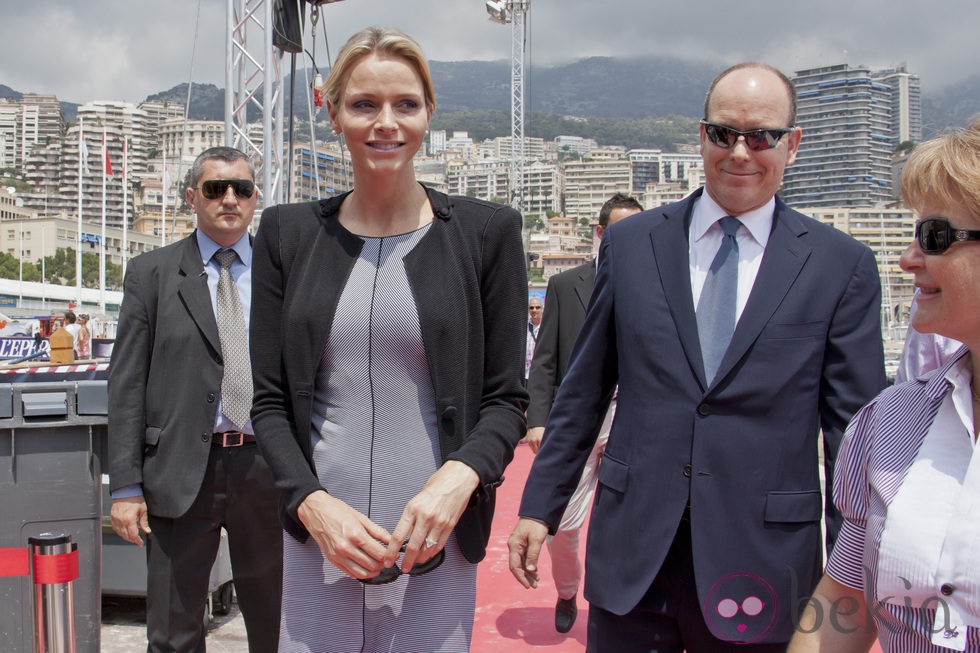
point(908, 487)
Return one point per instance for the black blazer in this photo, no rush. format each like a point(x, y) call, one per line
point(565, 302)
point(161, 409)
point(470, 285)
point(741, 451)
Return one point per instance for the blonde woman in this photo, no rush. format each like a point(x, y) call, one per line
point(387, 350)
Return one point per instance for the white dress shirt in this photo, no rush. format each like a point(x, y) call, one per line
point(704, 240)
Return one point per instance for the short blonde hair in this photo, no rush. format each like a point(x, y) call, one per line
point(382, 40)
point(945, 169)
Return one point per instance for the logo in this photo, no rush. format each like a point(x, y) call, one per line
point(741, 608)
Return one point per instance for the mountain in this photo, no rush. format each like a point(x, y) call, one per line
point(7, 93)
point(953, 106)
point(597, 89)
point(207, 101)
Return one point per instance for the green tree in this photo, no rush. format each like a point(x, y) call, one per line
point(10, 268)
point(60, 270)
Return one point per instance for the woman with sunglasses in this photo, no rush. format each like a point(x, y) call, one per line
point(907, 563)
point(387, 350)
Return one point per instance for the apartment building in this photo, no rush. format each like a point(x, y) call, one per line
point(853, 119)
point(589, 182)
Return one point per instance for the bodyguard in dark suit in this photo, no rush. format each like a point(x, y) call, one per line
point(567, 298)
point(183, 459)
point(705, 532)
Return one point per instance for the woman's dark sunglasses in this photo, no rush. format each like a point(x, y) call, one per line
point(935, 235)
point(389, 574)
point(755, 139)
point(214, 189)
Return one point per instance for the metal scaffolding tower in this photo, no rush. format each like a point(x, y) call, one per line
point(253, 79)
point(515, 13)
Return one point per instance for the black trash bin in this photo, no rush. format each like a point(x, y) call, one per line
point(52, 439)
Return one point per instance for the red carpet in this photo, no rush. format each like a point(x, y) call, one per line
point(508, 617)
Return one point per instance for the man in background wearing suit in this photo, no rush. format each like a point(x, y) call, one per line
point(566, 299)
point(736, 329)
point(183, 461)
point(534, 311)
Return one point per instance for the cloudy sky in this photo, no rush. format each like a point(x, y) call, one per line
point(127, 49)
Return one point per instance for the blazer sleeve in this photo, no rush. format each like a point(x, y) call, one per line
point(272, 415)
point(128, 372)
point(581, 403)
point(489, 446)
point(543, 379)
point(853, 369)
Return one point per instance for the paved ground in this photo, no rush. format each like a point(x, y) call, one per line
point(124, 628)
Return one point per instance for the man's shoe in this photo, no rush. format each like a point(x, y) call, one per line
point(565, 612)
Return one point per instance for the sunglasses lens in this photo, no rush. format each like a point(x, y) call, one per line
point(933, 236)
point(721, 136)
point(761, 139)
point(214, 189)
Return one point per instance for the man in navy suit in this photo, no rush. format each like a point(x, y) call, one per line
point(705, 531)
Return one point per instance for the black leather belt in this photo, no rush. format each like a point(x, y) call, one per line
point(231, 439)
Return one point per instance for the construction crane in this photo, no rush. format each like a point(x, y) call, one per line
point(514, 12)
point(258, 34)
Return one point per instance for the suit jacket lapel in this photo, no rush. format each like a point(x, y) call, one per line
point(786, 253)
point(193, 291)
point(584, 285)
point(670, 246)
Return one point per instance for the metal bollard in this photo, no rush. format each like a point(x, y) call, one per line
point(54, 606)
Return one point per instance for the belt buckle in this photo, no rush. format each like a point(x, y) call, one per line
point(237, 439)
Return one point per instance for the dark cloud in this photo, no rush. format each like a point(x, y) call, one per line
point(107, 49)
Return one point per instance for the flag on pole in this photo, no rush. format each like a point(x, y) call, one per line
point(166, 175)
point(105, 156)
point(82, 149)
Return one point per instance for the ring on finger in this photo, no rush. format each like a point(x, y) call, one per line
point(430, 542)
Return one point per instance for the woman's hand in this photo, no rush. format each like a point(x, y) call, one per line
point(430, 517)
point(349, 540)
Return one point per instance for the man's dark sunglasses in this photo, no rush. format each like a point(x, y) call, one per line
point(935, 235)
point(214, 189)
point(389, 574)
point(755, 139)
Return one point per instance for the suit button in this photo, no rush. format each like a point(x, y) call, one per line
point(687, 471)
point(449, 412)
point(704, 410)
point(205, 437)
point(210, 397)
point(946, 589)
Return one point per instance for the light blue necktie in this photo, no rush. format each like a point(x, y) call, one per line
point(716, 307)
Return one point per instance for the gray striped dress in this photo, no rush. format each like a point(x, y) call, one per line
point(375, 444)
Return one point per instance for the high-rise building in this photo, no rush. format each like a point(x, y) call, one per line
point(333, 173)
point(42, 122)
point(853, 119)
point(906, 103)
point(9, 129)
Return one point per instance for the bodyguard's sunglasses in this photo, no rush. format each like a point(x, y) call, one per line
point(389, 574)
point(935, 235)
point(755, 139)
point(214, 189)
